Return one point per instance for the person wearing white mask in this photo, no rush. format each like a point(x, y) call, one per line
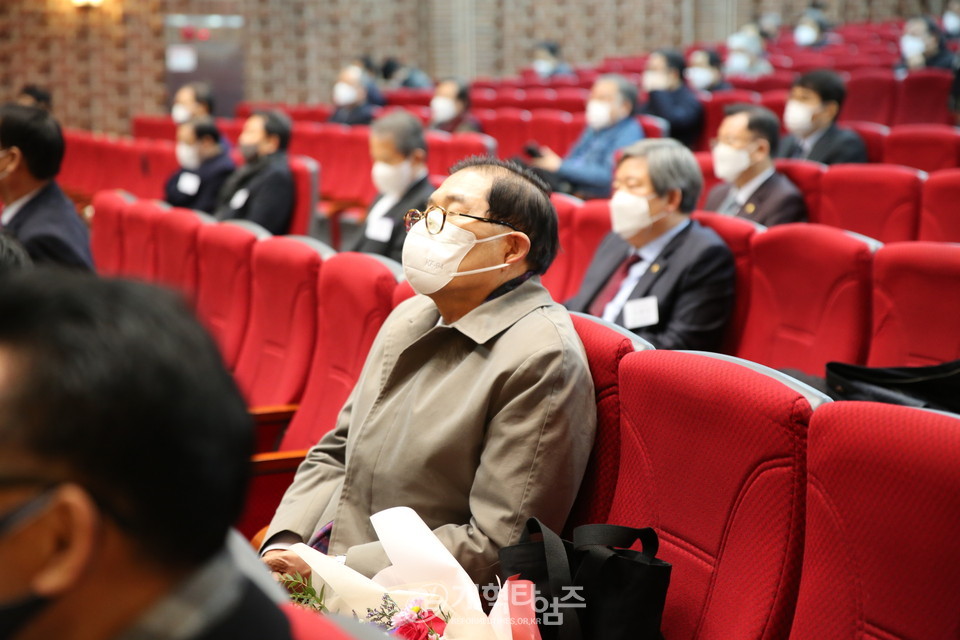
point(704, 71)
point(951, 20)
point(810, 32)
point(399, 153)
point(350, 98)
point(745, 56)
point(547, 62)
point(586, 169)
point(450, 108)
point(475, 406)
point(669, 97)
point(751, 187)
point(658, 273)
point(923, 46)
point(193, 100)
point(810, 117)
point(205, 165)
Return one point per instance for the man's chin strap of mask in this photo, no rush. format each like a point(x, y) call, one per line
point(15, 615)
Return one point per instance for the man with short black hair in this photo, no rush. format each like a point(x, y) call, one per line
point(810, 117)
point(923, 46)
point(262, 189)
point(752, 188)
point(704, 71)
point(475, 407)
point(669, 97)
point(351, 98)
point(450, 107)
point(33, 96)
point(204, 166)
point(36, 212)
point(192, 100)
point(659, 273)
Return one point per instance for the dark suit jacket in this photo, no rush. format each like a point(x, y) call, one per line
point(681, 108)
point(361, 114)
point(415, 198)
point(213, 172)
point(254, 617)
point(51, 231)
point(693, 280)
point(269, 200)
point(776, 201)
point(835, 146)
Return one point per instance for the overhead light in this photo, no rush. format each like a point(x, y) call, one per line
point(87, 3)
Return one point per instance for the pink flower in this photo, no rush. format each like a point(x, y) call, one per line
point(420, 629)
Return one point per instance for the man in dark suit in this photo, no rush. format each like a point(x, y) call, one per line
point(659, 273)
point(399, 153)
point(810, 117)
point(350, 95)
point(261, 190)
point(751, 187)
point(204, 166)
point(36, 212)
point(669, 97)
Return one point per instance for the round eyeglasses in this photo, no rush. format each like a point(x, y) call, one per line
point(436, 216)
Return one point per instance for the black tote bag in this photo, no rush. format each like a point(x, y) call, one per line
point(932, 387)
point(599, 586)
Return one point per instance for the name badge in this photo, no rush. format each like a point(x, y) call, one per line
point(380, 229)
point(641, 312)
point(239, 199)
point(189, 183)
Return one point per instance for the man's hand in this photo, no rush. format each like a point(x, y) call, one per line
point(285, 561)
point(549, 160)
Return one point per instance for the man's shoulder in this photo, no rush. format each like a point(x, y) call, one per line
point(716, 195)
point(700, 239)
point(781, 184)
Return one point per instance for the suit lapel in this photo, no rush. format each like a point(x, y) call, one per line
point(758, 197)
point(659, 265)
point(823, 146)
point(612, 257)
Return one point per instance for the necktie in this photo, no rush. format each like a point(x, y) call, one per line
point(729, 206)
point(609, 291)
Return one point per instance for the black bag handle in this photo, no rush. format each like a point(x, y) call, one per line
point(612, 535)
point(558, 572)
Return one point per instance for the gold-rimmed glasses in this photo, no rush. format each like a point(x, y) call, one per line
point(436, 216)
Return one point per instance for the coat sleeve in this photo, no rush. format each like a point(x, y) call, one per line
point(597, 173)
point(850, 148)
point(679, 110)
point(538, 438)
point(789, 207)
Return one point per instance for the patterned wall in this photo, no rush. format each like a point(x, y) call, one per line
point(107, 63)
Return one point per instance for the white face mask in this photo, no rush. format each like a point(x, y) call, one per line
point(798, 118)
point(392, 179)
point(180, 113)
point(951, 22)
point(599, 114)
point(630, 214)
point(344, 94)
point(655, 81)
point(430, 261)
point(442, 109)
point(729, 162)
point(804, 35)
point(700, 78)
point(912, 46)
point(737, 62)
point(188, 155)
point(543, 67)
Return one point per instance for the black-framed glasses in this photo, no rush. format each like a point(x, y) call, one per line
point(436, 216)
point(28, 508)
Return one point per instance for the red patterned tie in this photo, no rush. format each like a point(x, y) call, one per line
point(610, 290)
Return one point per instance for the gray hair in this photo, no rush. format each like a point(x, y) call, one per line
point(670, 166)
point(628, 90)
point(405, 129)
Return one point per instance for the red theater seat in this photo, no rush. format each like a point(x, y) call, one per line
point(883, 511)
point(555, 129)
point(572, 99)
point(775, 101)
point(705, 160)
point(924, 96)
point(509, 127)
point(654, 126)
point(157, 127)
point(177, 232)
point(306, 183)
point(874, 136)
point(939, 215)
point(713, 111)
point(590, 224)
point(810, 298)
point(106, 236)
point(808, 177)
point(927, 147)
point(606, 344)
point(879, 201)
point(140, 239)
point(871, 97)
point(712, 457)
point(557, 277)
point(915, 304)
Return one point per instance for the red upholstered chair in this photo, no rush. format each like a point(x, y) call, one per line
point(106, 236)
point(177, 231)
point(924, 96)
point(879, 201)
point(712, 456)
point(590, 224)
point(776, 101)
point(874, 137)
point(809, 298)
point(883, 511)
point(606, 344)
point(915, 304)
point(737, 234)
point(654, 126)
point(557, 277)
point(713, 111)
point(306, 184)
point(572, 99)
point(140, 239)
point(510, 127)
point(779, 80)
point(554, 129)
point(927, 147)
point(158, 127)
point(540, 98)
point(807, 176)
point(309, 625)
point(710, 180)
point(871, 97)
point(224, 254)
point(402, 292)
point(939, 215)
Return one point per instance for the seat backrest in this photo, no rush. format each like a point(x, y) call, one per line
point(808, 177)
point(306, 185)
point(177, 230)
point(776, 101)
point(654, 126)
point(355, 296)
point(939, 215)
point(402, 292)
point(605, 344)
point(140, 239)
point(874, 136)
point(710, 180)
point(713, 111)
point(871, 97)
point(809, 298)
point(716, 450)
point(879, 201)
point(927, 147)
point(510, 127)
point(883, 511)
point(554, 129)
point(310, 625)
point(736, 233)
point(282, 327)
point(106, 235)
point(590, 224)
point(224, 256)
point(915, 304)
point(924, 96)
point(557, 278)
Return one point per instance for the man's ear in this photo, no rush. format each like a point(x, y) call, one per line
point(517, 247)
point(418, 156)
point(70, 527)
point(674, 200)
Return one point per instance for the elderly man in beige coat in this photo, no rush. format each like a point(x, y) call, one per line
point(475, 406)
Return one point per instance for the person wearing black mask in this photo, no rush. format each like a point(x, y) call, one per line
point(262, 189)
